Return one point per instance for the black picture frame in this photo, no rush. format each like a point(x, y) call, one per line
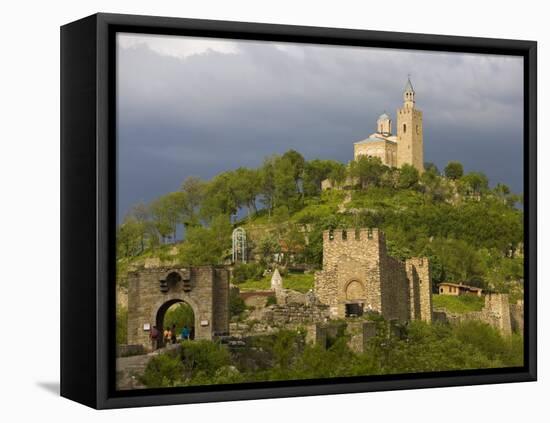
point(88, 200)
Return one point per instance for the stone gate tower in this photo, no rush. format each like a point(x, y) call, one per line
point(410, 143)
point(359, 275)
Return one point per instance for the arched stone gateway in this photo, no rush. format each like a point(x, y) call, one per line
point(152, 291)
point(159, 318)
point(355, 298)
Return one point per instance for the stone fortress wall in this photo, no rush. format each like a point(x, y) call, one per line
point(358, 272)
point(152, 291)
point(497, 312)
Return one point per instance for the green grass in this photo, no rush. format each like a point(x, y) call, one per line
point(458, 304)
point(385, 198)
point(301, 282)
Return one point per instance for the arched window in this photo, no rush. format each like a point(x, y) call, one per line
point(404, 128)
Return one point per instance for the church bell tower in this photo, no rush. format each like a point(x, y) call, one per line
point(410, 148)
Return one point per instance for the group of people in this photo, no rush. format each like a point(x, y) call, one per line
point(169, 336)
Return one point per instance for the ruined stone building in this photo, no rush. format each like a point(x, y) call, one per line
point(358, 276)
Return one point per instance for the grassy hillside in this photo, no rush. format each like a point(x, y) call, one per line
point(459, 303)
point(301, 282)
point(471, 233)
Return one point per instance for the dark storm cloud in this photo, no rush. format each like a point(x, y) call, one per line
point(185, 114)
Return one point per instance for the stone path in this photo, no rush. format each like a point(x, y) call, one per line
point(129, 368)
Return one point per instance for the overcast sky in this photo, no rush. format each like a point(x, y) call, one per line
point(198, 106)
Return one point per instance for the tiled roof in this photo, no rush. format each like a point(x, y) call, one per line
point(459, 285)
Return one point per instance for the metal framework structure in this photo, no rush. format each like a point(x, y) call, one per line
point(239, 245)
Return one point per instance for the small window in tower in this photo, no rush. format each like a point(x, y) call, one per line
point(417, 130)
point(404, 128)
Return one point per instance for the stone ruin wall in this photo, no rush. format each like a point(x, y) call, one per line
point(516, 317)
point(220, 301)
point(497, 312)
point(395, 289)
point(296, 313)
point(420, 285)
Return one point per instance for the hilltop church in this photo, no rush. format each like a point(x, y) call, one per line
point(395, 150)
point(405, 147)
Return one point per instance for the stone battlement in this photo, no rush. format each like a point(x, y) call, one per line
point(352, 235)
point(359, 275)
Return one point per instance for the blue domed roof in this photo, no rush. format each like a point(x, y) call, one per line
point(383, 116)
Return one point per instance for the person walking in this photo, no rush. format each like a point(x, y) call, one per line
point(154, 336)
point(185, 333)
point(173, 336)
point(167, 336)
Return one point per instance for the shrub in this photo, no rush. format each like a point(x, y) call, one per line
point(285, 348)
point(162, 371)
point(484, 337)
point(121, 325)
point(246, 271)
point(454, 170)
point(205, 357)
point(236, 304)
point(271, 300)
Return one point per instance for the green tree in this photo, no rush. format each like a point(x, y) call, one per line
point(294, 243)
point(454, 170)
point(166, 213)
point(129, 237)
point(267, 183)
point(431, 167)
point(503, 192)
point(147, 235)
point(408, 176)
point(338, 174)
point(207, 245)
point(297, 163)
point(193, 189)
point(286, 191)
point(475, 183)
point(269, 246)
point(245, 185)
point(367, 171)
point(313, 252)
point(316, 171)
point(459, 261)
point(236, 304)
point(221, 197)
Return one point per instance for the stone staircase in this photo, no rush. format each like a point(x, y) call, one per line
point(129, 368)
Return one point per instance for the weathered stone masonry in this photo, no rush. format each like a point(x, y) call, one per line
point(359, 275)
point(497, 312)
point(152, 291)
